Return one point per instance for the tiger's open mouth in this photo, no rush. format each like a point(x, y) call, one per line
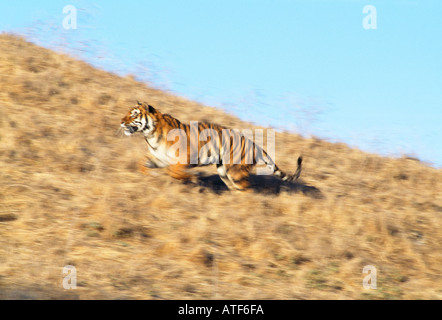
point(130, 130)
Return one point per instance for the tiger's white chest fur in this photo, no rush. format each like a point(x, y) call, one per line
point(159, 152)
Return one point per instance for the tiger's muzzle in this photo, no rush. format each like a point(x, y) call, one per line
point(128, 129)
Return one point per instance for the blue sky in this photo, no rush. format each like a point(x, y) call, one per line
point(307, 66)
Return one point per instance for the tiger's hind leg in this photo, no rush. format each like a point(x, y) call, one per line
point(222, 172)
point(239, 176)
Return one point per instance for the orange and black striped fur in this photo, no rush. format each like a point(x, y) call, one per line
point(201, 144)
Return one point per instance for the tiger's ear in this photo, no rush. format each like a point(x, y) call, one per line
point(151, 109)
point(139, 103)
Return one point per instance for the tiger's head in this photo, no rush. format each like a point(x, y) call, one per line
point(138, 119)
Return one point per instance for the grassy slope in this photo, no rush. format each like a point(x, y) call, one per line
point(70, 193)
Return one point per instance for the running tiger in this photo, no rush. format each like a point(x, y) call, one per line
point(178, 147)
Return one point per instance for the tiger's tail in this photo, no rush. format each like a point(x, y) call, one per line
point(286, 177)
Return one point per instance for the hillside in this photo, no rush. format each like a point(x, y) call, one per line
point(71, 194)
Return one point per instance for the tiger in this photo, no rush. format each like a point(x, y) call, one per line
point(201, 144)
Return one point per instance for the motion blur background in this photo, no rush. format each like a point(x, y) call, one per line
point(363, 107)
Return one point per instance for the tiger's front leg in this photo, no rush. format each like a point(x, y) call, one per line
point(179, 171)
point(148, 163)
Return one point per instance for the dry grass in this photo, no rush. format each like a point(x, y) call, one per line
point(70, 193)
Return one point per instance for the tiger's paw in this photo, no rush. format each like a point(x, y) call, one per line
point(143, 168)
